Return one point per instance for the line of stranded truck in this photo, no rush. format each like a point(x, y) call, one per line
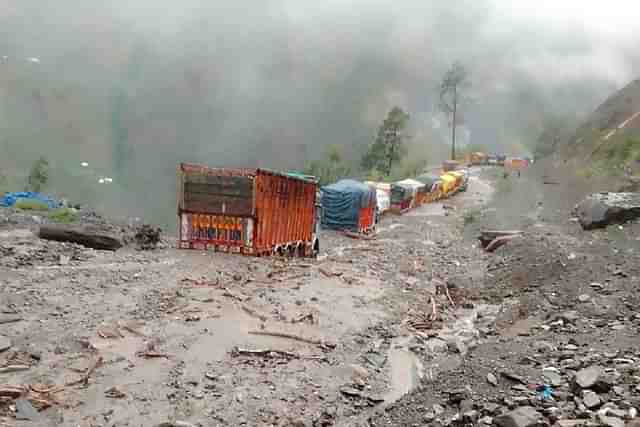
point(249, 211)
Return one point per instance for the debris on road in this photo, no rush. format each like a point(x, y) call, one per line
point(602, 209)
point(85, 236)
point(269, 353)
point(5, 344)
point(39, 396)
point(115, 393)
point(150, 352)
point(84, 379)
point(491, 240)
point(277, 334)
point(13, 368)
point(147, 237)
point(228, 293)
point(253, 313)
point(4, 319)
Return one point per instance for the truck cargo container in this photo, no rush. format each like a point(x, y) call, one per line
point(515, 164)
point(448, 184)
point(406, 194)
point(383, 195)
point(349, 205)
point(248, 211)
point(433, 184)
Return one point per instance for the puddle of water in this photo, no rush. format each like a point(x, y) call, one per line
point(406, 369)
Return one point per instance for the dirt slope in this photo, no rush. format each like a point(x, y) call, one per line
point(609, 138)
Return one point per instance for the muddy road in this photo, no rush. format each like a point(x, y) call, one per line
point(373, 332)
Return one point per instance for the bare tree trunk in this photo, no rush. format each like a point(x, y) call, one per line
point(81, 235)
point(453, 123)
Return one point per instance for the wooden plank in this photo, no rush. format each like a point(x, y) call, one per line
point(217, 189)
point(218, 205)
point(231, 181)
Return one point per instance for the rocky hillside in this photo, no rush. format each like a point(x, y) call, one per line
point(609, 139)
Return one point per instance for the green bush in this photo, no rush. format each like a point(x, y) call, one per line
point(63, 215)
point(31, 205)
point(39, 175)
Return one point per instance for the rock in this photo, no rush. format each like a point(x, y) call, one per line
point(457, 396)
point(299, 422)
point(25, 410)
point(175, 424)
point(618, 390)
point(634, 423)
point(438, 409)
point(490, 408)
point(5, 344)
point(359, 372)
point(614, 412)
point(487, 421)
point(470, 416)
point(491, 379)
point(513, 377)
point(591, 399)
point(525, 416)
point(592, 377)
point(553, 378)
point(572, 423)
point(570, 316)
point(602, 209)
point(584, 298)
point(456, 345)
point(610, 421)
point(429, 416)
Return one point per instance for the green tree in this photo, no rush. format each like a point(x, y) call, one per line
point(39, 175)
point(452, 87)
point(388, 146)
point(554, 129)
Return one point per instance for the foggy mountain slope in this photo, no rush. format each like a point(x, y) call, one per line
point(610, 136)
point(135, 87)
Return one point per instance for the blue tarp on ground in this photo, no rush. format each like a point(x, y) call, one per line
point(10, 199)
point(342, 201)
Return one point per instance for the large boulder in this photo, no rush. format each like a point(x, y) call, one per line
point(602, 209)
point(524, 416)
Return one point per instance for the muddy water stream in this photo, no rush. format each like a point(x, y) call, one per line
point(406, 369)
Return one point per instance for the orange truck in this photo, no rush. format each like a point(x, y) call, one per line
point(248, 211)
point(476, 158)
point(516, 164)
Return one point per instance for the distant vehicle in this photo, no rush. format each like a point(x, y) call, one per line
point(349, 205)
point(476, 158)
point(450, 165)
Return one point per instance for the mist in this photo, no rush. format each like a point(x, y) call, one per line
point(135, 87)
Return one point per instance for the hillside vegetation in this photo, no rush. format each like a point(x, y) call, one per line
point(608, 141)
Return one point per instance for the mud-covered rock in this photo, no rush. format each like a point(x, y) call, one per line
point(525, 416)
point(602, 209)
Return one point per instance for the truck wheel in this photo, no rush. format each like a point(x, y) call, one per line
point(316, 248)
point(300, 250)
